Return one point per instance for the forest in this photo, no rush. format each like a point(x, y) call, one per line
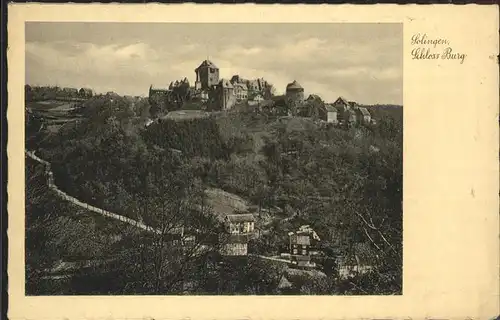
point(345, 183)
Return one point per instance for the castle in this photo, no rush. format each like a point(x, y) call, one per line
point(221, 94)
point(217, 94)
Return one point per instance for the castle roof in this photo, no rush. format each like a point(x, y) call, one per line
point(224, 83)
point(243, 86)
point(242, 217)
point(206, 64)
point(294, 86)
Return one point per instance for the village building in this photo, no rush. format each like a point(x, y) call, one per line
point(240, 223)
point(85, 93)
point(302, 246)
point(342, 105)
point(363, 116)
point(350, 113)
point(241, 228)
point(331, 114)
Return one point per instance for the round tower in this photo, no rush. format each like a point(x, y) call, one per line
point(294, 96)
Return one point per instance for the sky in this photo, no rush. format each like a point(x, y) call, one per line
point(362, 62)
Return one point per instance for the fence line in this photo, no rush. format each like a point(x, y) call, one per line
point(75, 201)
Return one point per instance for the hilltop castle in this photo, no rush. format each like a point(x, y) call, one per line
point(222, 94)
point(218, 94)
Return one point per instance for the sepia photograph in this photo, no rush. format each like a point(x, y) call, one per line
point(213, 158)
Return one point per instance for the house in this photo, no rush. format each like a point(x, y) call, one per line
point(363, 116)
point(85, 93)
point(341, 104)
point(236, 245)
point(241, 229)
point(299, 243)
point(302, 241)
point(240, 223)
point(331, 114)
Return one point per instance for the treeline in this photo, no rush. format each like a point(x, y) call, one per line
point(195, 137)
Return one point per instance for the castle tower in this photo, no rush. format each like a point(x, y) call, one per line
point(207, 75)
point(294, 96)
point(226, 94)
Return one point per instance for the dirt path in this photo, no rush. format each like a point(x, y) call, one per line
point(84, 205)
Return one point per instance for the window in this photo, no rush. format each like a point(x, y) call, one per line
point(304, 252)
point(295, 251)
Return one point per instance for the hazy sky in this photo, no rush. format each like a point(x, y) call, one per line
point(362, 62)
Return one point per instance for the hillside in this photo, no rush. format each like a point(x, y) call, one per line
point(292, 170)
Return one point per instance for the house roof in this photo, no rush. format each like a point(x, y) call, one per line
point(294, 86)
point(70, 89)
point(343, 100)
point(242, 86)
point(364, 111)
point(313, 97)
point(353, 104)
point(244, 217)
point(86, 90)
point(206, 64)
point(238, 79)
point(330, 108)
